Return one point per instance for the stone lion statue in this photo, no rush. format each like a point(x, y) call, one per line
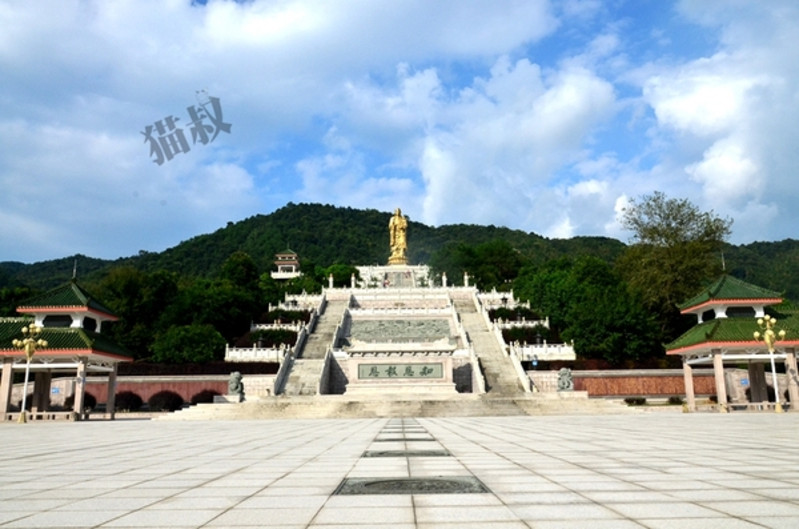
point(565, 379)
point(235, 385)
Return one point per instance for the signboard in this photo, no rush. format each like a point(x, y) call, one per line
point(376, 371)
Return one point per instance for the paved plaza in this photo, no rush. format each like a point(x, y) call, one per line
point(626, 471)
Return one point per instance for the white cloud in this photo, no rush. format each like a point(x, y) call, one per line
point(726, 173)
point(522, 113)
point(699, 101)
point(507, 136)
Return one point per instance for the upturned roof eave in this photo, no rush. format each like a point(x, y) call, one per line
point(728, 344)
point(61, 353)
point(62, 309)
point(730, 301)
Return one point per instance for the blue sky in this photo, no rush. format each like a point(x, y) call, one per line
point(545, 116)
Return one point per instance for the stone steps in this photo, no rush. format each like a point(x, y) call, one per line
point(340, 406)
point(500, 375)
point(307, 370)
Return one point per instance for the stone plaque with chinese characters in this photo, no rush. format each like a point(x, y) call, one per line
point(426, 370)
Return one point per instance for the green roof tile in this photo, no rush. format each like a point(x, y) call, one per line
point(60, 338)
point(68, 295)
point(732, 330)
point(728, 287)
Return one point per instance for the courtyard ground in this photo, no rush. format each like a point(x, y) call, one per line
point(626, 471)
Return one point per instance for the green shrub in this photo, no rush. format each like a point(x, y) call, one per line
point(128, 401)
point(165, 401)
point(635, 401)
point(206, 395)
point(89, 402)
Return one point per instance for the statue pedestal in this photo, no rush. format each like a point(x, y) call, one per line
point(394, 276)
point(398, 260)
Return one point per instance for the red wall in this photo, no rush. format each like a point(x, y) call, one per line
point(664, 386)
point(606, 385)
point(145, 387)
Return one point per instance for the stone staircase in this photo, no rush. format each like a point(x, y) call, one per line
point(387, 406)
point(500, 376)
point(307, 369)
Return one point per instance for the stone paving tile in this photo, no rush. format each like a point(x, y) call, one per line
point(465, 513)
point(749, 509)
point(166, 519)
point(701, 523)
point(364, 515)
point(268, 517)
point(54, 519)
point(594, 524)
point(623, 472)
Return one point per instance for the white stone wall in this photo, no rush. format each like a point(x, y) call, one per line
point(258, 385)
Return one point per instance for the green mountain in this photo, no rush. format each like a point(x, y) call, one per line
point(321, 234)
point(325, 234)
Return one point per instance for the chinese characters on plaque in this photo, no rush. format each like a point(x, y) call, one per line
point(367, 371)
point(167, 139)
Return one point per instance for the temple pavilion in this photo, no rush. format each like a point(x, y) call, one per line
point(728, 313)
point(71, 322)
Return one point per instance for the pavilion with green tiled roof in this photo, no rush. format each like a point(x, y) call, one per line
point(70, 321)
point(728, 311)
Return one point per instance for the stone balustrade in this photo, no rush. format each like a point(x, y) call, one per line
point(509, 324)
point(295, 326)
point(255, 354)
point(544, 352)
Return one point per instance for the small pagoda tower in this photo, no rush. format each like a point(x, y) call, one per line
point(71, 321)
point(727, 313)
point(287, 263)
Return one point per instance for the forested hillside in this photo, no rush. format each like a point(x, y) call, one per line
point(325, 235)
point(320, 234)
point(613, 300)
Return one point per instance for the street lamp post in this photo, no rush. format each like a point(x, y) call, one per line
point(767, 323)
point(30, 343)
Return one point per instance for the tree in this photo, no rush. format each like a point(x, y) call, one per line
point(228, 308)
point(189, 343)
point(492, 264)
point(139, 300)
point(241, 270)
point(675, 248)
point(588, 303)
point(342, 274)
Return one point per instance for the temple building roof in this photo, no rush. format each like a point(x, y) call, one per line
point(61, 342)
point(66, 298)
point(730, 290)
point(732, 333)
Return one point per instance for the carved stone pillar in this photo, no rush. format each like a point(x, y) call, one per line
point(688, 376)
point(721, 384)
point(6, 385)
point(793, 378)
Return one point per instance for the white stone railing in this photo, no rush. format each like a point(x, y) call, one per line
point(509, 324)
point(544, 352)
point(342, 328)
point(295, 326)
point(269, 354)
point(414, 297)
point(300, 302)
point(399, 311)
point(283, 373)
point(527, 382)
point(478, 380)
point(255, 354)
point(494, 300)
